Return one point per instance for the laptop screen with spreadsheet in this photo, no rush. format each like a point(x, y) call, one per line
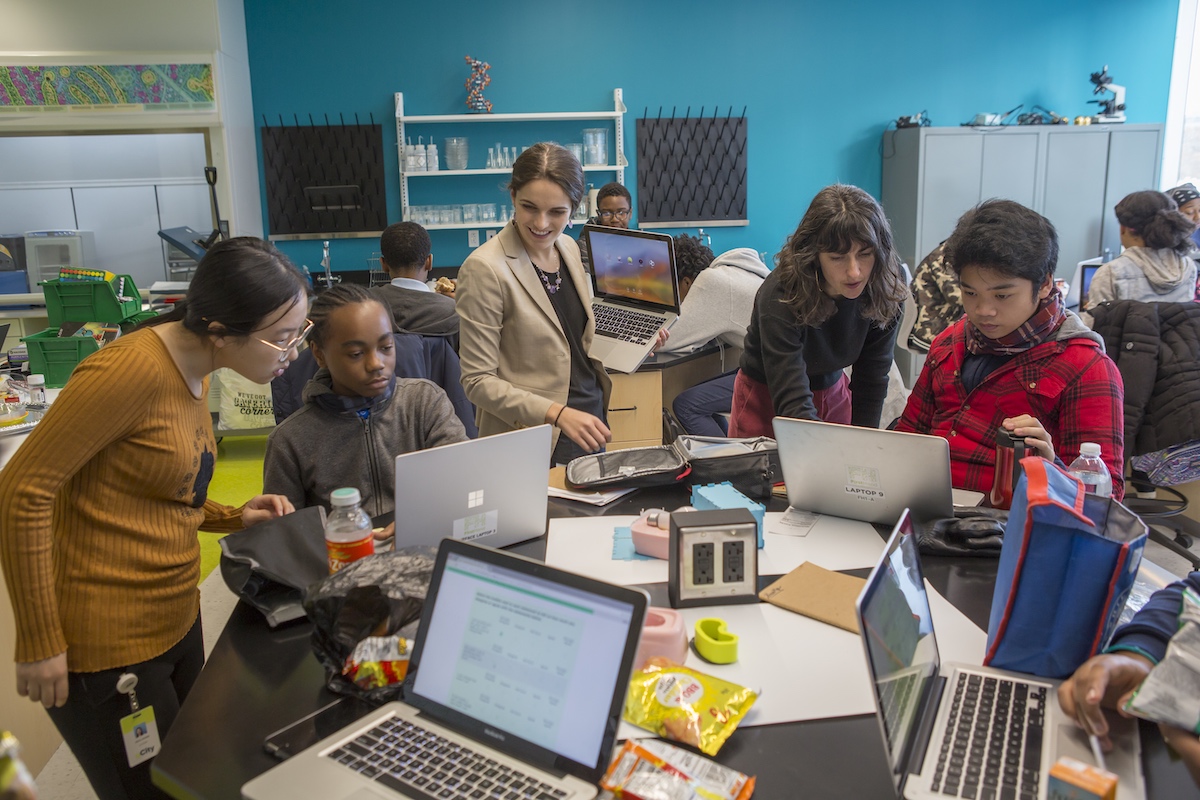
point(513, 648)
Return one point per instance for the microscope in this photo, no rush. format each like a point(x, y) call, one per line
point(1112, 109)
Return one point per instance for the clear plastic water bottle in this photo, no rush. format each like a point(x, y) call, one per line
point(1090, 469)
point(348, 534)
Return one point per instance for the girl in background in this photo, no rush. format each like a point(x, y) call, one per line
point(833, 301)
point(357, 415)
point(100, 506)
point(1156, 266)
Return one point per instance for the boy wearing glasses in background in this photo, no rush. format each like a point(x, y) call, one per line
point(614, 209)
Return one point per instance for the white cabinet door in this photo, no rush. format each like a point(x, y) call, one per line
point(125, 222)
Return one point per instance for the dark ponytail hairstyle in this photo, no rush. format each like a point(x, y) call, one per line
point(1155, 217)
point(236, 285)
point(330, 300)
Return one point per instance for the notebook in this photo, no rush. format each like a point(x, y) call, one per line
point(491, 490)
point(517, 680)
point(635, 292)
point(865, 474)
point(955, 730)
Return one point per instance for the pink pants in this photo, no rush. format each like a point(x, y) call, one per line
point(753, 412)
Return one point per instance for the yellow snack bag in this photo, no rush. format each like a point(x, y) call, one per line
point(683, 705)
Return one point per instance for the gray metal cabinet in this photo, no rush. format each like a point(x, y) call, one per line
point(1072, 175)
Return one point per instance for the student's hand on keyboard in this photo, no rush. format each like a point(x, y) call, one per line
point(1103, 681)
point(1187, 746)
point(1034, 433)
point(585, 430)
point(663, 335)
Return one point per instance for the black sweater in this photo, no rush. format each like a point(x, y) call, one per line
point(794, 360)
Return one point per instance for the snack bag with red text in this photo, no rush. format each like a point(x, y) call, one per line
point(681, 704)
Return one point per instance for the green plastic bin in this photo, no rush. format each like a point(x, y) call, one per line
point(56, 356)
point(90, 301)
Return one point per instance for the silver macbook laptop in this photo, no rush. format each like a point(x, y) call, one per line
point(636, 291)
point(515, 689)
point(955, 730)
point(491, 490)
point(863, 473)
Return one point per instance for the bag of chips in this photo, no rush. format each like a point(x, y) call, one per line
point(683, 705)
point(654, 770)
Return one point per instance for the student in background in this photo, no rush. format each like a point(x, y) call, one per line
point(938, 298)
point(406, 253)
point(526, 320)
point(1018, 360)
point(357, 415)
point(1156, 266)
point(1187, 197)
point(834, 300)
point(614, 209)
point(1107, 680)
point(717, 301)
point(100, 506)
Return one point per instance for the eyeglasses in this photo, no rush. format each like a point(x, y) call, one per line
point(619, 214)
point(284, 349)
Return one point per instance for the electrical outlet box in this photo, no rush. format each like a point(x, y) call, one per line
point(723, 495)
point(713, 558)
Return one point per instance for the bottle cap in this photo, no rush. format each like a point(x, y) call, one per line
point(344, 497)
point(37, 379)
point(1089, 449)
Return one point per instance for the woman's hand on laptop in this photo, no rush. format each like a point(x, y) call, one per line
point(584, 429)
point(663, 335)
point(1034, 434)
point(1102, 681)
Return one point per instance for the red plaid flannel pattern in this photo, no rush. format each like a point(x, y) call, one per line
point(1071, 387)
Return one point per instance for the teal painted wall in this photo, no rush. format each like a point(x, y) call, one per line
point(820, 81)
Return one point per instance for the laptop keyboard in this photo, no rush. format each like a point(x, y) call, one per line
point(626, 324)
point(992, 749)
point(414, 760)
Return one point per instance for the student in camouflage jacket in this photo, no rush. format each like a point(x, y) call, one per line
point(939, 300)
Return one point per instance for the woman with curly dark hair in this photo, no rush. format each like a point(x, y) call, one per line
point(833, 301)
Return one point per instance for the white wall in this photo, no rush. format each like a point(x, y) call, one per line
point(91, 26)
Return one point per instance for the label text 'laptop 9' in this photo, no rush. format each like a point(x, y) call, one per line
point(517, 681)
point(492, 490)
point(865, 474)
point(635, 284)
point(956, 730)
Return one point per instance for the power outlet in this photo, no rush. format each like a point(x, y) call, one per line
point(472, 238)
point(733, 561)
point(702, 564)
point(713, 557)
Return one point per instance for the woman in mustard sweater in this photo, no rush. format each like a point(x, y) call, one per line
point(100, 506)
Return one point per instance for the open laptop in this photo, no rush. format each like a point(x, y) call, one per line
point(865, 474)
point(1014, 728)
point(517, 680)
point(492, 490)
point(635, 287)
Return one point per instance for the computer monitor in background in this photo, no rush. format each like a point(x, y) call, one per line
point(1081, 281)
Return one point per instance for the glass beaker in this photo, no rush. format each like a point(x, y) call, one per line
point(595, 147)
point(456, 152)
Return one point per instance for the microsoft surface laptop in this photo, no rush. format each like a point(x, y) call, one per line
point(492, 490)
point(865, 474)
point(515, 689)
point(635, 285)
point(956, 730)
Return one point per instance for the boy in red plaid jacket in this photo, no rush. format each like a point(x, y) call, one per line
point(1017, 360)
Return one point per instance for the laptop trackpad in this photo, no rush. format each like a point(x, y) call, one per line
point(1123, 760)
point(367, 794)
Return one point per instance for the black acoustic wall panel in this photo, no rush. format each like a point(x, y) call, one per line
point(324, 179)
point(691, 169)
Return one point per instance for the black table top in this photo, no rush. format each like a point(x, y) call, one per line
point(258, 680)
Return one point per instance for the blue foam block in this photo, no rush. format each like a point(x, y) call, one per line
point(723, 495)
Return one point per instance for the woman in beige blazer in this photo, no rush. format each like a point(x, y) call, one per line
point(526, 318)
